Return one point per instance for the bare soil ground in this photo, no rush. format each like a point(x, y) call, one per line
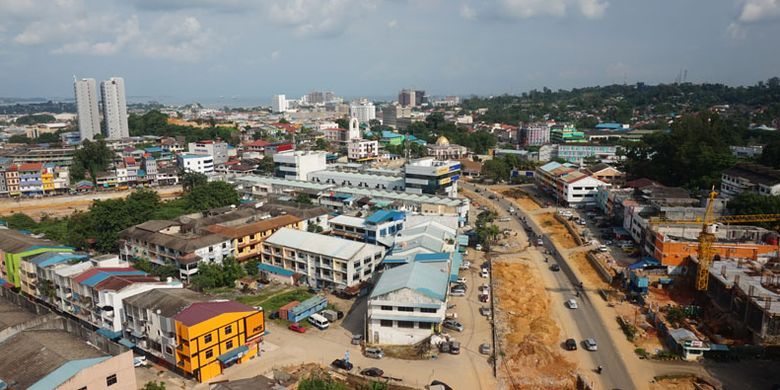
point(62, 206)
point(521, 198)
point(529, 334)
point(681, 383)
point(587, 270)
point(557, 231)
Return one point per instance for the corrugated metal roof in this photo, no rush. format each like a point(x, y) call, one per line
point(64, 372)
point(203, 311)
point(317, 243)
point(428, 279)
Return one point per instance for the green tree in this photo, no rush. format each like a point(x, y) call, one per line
point(321, 144)
point(770, 156)
point(92, 157)
point(251, 267)
point(212, 195)
point(47, 138)
point(218, 275)
point(190, 180)
point(302, 199)
point(20, 221)
point(314, 228)
point(35, 119)
point(748, 203)
point(19, 139)
point(343, 123)
point(154, 385)
point(496, 169)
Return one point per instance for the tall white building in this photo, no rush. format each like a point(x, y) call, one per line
point(115, 108)
point(364, 111)
point(279, 103)
point(296, 165)
point(87, 107)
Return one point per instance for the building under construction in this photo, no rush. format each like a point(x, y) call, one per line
point(750, 292)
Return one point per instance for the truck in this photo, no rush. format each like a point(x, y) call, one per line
point(331, 315)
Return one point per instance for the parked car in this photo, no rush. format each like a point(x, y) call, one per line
point(458, 292)
point(139, 361)
point(454, 325)
point(357, 339)
point(484, 288)
point(342, 364)
point(484, 273)
point(485, 311)
point(590, 344)
point(582, 222)
point(478, 247)
point(444, 347)
point(484, 349)
point(442, 385)
point(555, 268)
point(484, 298)
point(455, 347)
point(296, 327)
point(571, 304)
point(462, 280)
point(465, 265)
point(571, 344)
point(372, 371)
point(374, 353)
point(603, 248)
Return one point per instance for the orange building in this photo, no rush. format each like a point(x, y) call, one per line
point(215, 335)
point(674, 252)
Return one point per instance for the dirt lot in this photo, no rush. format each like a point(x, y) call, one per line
point(681, 383)
point(529, 334)
point(522, 199)
point(61, 206)
point(557, 231)
point(583, 266)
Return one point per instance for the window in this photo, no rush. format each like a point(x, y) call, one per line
point(386, 323)
point(427, 310)
point(207, 338)
point(423, 325)
point(387, 308)
point(168, 350)
point(229, 329)
point(209, 354)
point(406, 324)
point(229, 344)
point(111, 380)
point(405, 308)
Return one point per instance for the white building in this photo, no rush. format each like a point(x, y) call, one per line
point(196, 163)
point(356, 179)
point(568, 185)
point(363, 110)
point(279, 103)
point(87, 108)
point(362, 150)
point(115, 289)
point(747, 177)
point(297, 165)
point(408, 303)
point(428, 176)
point(115, 108)
point(325, 261)
point(218, 150)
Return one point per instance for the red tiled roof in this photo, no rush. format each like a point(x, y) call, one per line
point(202, 311)
point(89, 273)
point(31, 167)
point(116, 283)
point(129, 160)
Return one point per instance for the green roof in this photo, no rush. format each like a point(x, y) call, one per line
point(429, 279)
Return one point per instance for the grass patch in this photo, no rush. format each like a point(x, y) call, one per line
point(273, 300)
point(220, 291)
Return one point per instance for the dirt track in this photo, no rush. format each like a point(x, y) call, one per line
point(61, 206)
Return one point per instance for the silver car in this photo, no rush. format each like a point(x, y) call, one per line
point(590, 344)
point(454, 325)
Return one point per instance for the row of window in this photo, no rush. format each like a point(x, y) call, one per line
point(110, 381)
point(410, 309)
point(405, 324)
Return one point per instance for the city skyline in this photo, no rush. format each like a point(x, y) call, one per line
point(375, 48)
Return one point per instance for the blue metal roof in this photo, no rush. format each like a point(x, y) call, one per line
point(127, 343)
point(394, 260)
point(153, 149)
point(428, 279)
point(64, 372)
point(109, 334)
point(385, 215)
point(457, 259)
point(50, 258)
point(275, 270)
point(232, 355)
point(430, 257)
point(308, 304)
point(390, 134)
point(103, 275)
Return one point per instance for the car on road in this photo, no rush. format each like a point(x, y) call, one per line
point(571, 344)
point(458, 292)
point(555, 268)
point(484, 273)
point(484, 349)
point(439, 385)
point(583, 222)
point(454, 325)
point(478, 247)
point(357, 339)
point(539, 242)
point(571, 304)
point(296, 327)
point(342, 364)
point(603, 248)
point(511, 210)
point(374, 353)
point(372, 371)
point(590, 344)
point(492, 197)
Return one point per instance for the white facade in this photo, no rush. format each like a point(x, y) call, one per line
point(87, 108)
point(428, 176)
point(364, 111)
point(115, 108)
point(362, 150)
point(354, 179)
point(325, 261)
point(296, 165)
point(278, 103)
point(112, 319)
point(218, 150)
point(196, 163)
point(582, 191)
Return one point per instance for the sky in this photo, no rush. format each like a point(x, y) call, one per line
point(258, 48)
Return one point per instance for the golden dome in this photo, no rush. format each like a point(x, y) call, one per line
point(442, 140)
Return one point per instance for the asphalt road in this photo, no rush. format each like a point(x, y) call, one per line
point(615, 375)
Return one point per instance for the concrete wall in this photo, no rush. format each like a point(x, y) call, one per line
point(96, 377)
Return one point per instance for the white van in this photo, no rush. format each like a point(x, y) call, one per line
point(319, 321)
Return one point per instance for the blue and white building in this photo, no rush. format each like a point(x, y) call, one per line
point(378, 228)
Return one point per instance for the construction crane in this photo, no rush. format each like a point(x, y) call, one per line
point(709, 227)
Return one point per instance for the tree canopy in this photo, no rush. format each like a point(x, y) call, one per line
point(156, 123)
point(93, 157)
point(212, 275)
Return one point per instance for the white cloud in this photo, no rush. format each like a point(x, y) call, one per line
point(275, 55)
point(735, 31)
point(318, 18)
point(391, 24)
point(758, 10)
point(526, 9)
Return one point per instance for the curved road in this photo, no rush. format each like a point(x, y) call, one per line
point(587, 320)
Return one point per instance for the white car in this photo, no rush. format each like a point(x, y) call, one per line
point(603, 248)
point(462, 280)
point(465, 265)
point(139, 361)
point(590, 344)
point(511, 210)
point(484, 273)
point(478, 247)
point(458, 293)
point(571, 304)
point(484, 288)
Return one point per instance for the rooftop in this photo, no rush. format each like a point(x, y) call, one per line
point(748, 278)
point(13, 241)
point(317, 243)
point(755, 173)
point(169, 301)
point(254, 227)
point(198, 312)
point(429, 279)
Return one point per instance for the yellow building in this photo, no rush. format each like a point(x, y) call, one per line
point(247, 238)
point(214, 335)
point(47, 179)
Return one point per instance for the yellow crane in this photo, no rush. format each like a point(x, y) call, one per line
point(709, 226)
